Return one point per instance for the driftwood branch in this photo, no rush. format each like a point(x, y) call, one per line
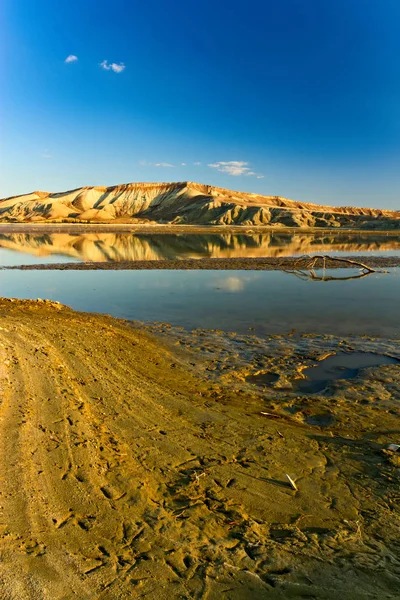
point(325, 258)
point(311, 263)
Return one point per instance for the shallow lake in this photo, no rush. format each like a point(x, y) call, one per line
point(41, 247)
point(267, 301)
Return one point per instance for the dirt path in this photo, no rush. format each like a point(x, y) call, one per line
point(124, 476)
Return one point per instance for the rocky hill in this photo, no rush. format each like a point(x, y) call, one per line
point(186, 203)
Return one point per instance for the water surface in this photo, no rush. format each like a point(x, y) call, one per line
point(30, 248)
point(343, 365)
point(265, 301)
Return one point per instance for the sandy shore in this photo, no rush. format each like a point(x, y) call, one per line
point(137, 464)
point(153, 228)
point(214, 264)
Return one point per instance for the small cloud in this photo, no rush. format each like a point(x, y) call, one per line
point(183, 164)
point(112, 66)
point(144, 163)
point(117, 68)
point(71, 58)
point(197, 163)
point(234, 168)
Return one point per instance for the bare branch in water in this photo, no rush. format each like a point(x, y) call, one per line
point(325, 259)
point(314, 277)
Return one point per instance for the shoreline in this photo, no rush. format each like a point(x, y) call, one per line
point(245, 264)
point(188, 229)
point(147, 465)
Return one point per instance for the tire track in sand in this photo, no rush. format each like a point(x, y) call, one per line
point(122, 476)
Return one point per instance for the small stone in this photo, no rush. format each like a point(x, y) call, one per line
point(393, 447)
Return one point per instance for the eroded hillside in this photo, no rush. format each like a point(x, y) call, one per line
point(186, 203)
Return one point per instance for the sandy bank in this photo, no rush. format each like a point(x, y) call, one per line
point(251, 264)
point(142, 229)
point(131, 467)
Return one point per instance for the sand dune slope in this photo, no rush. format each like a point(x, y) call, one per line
point(185, 203)
point(123, 476)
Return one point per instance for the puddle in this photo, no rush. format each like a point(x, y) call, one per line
point(322, 420)
point(344, 365)
point(262, 378)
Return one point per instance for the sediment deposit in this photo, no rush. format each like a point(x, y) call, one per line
point(139, 463)
point(186, 203)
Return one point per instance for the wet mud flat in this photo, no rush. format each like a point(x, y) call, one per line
point(254, 264)
point(143, 462)
point(291, 371)
point(161, 228)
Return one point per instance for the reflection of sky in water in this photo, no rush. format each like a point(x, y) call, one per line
point(368, 252)
point(269, 301)
point(14, 258)
point(232, 283)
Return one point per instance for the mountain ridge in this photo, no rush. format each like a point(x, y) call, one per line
point(186, 203)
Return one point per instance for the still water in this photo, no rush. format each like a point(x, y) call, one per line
point(35, 248)
point(343, 365)
point(266, 301)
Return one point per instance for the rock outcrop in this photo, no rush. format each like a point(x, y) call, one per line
point(186, 203)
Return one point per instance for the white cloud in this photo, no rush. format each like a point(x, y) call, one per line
point(232, 167)
point(183, 164)
point(144, 163)
point(235, 168)
point(71, 58)
point(197, 163)
point(46, 153)
point(117, 68)
point(112, 66)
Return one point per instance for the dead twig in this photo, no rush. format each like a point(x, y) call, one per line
point(271, 415)
point(291, 482)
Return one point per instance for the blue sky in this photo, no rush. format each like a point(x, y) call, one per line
point(299, 98)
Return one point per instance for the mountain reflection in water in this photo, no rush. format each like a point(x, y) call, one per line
point(111, 247)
